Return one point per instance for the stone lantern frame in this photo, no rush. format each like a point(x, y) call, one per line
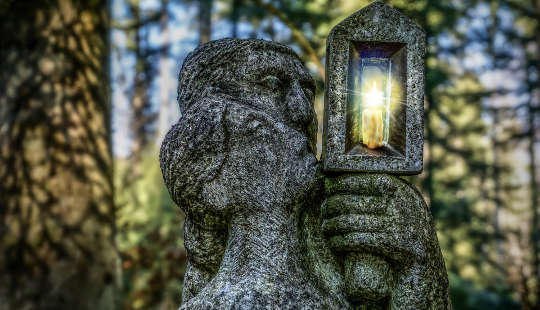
point(380, 28)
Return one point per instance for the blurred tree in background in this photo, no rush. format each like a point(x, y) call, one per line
point(481, 175)
point(57, 220)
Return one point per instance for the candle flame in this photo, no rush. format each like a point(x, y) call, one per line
point(374, 96)
point(372, 118)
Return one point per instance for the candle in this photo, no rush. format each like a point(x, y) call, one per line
point(372, 118)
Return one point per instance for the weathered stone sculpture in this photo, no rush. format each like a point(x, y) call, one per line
point(264, 229)
point(240, 162)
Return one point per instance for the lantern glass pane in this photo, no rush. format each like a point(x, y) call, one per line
point(375, 88)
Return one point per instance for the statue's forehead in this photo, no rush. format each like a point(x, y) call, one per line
point(275, 61)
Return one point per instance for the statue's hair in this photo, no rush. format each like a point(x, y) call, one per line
point(205, 66)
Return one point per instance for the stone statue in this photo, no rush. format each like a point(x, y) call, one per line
point(265, 229)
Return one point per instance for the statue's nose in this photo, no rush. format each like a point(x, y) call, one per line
point(299, 106)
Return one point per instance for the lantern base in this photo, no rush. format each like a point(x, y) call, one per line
point(385, 150)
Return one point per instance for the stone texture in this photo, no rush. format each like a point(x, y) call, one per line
point(377, 22)
point(388, 242)
point(265, 229)
point(241, 164)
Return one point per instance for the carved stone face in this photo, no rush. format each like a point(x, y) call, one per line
point(279, 85)
point(248, 129)
point(271, 135)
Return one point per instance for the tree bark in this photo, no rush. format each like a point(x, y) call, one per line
point(58, 249)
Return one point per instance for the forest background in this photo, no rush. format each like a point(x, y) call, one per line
point(88, 90)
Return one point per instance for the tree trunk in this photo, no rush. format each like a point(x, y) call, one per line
point(205, 20)
point(168, 110)
point(535, 227)
point(235, 16)
point(140, 105)
point(496, 171)
point(58, 249)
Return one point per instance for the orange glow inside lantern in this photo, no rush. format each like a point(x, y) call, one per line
point(373, 126)
point(375, 93)
point(371, 103)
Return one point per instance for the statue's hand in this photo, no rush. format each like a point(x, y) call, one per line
point(383, 229)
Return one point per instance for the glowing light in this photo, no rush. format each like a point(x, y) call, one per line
point(372, 118)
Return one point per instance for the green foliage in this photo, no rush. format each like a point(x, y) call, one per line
point(466, 296)
point(149, 237)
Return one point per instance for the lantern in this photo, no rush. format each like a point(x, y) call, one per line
point(374, 93)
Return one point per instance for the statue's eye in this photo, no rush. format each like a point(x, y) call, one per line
point(271, 82)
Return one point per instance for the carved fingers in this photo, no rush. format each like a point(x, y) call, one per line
point(382, 229)
point(374, 213)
